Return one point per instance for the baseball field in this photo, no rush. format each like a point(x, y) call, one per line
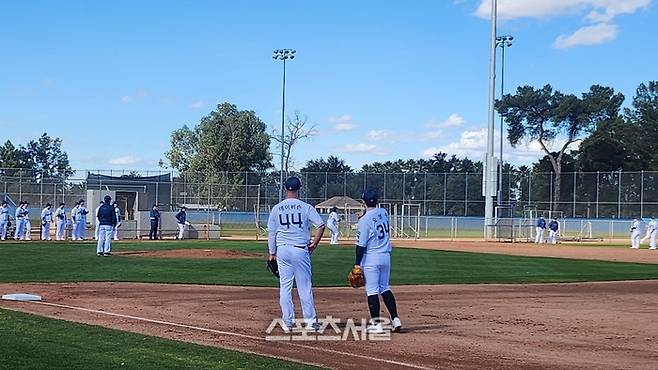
point(208, 305)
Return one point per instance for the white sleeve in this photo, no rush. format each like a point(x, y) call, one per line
point(362, 234)
point(314, 217)
point(271, 232)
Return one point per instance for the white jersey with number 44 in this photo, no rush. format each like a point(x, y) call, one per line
point(373, 232)
point(291, 221)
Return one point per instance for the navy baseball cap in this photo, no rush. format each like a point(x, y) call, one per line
point(370, 197)
point(293, 184)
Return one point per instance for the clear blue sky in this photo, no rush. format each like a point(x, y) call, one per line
point(381, 79)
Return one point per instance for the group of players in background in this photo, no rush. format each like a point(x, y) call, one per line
point(77, 219)
point(636, 229)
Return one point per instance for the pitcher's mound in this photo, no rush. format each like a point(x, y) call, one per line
point(193, 253)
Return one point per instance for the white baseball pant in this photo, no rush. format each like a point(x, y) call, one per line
point(104, 244)
point(295, 266)
point(376, 271)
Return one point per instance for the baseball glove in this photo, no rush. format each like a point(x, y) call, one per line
point(273, 267)
point(355, 277)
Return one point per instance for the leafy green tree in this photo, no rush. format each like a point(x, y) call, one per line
point(42, 159)
point(226, 140)
point(13, 159)
point(48, 159)
point(546, 115)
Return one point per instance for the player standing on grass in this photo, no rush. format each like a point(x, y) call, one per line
point(60, 214)
point(46, 219)
point(181, 218)
point(288, 241)
point(373, 256)
point(26, 220)
point(117, 214)
point(107, 221)
point(74, 221)
point(19, 216)
point(155, 220)
point(96, 224)
point(332, 224)
point(635, 234)
point(83, 212)
point(541, 226)
point(4, 220)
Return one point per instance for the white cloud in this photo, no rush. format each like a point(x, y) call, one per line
point(378, 135)
point(473, 144)
point(345, 127)
point(137, 95)
point(600, 13)
point(126, 160)
point(598, 10)
point(343, 123)
point(453, 120)
point(197, 104)
point(588, 35)
point(362, 148)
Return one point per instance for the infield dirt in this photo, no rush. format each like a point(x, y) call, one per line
point(535, 326)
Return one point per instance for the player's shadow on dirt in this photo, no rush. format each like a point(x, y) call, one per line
point(425, 328)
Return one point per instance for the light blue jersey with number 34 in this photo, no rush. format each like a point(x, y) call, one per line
point(373, 232)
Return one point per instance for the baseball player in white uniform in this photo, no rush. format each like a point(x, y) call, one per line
point(19, 217)
point(373, 254)
point(96, 223)
point(635, 234)
point(82, 220)
point(60, 216)
point(46, 220)
point(4, 220)
point(539, 230)
point(652, 233)
point(74, 221)
point(117, 215)
point(289, 234)
point(332, 224)
point(26, 220)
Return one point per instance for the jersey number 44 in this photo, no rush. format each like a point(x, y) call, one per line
point(290, 220)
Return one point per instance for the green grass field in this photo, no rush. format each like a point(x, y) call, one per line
point(33, 342)
point(66, 262)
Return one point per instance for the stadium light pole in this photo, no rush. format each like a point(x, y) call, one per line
point(488, 188)
point(502, 42)
point(283, 55)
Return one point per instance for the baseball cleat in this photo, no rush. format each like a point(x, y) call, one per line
point(108, 254)
point(99, 254)
point(375, 328)
point(397, 325)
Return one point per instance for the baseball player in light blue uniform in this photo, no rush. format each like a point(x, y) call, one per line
point(46, 219)
point(373, 254)
point(289, 234)
point(19, 216)
point(4, 220)
point(82, 221)
point(60, 216)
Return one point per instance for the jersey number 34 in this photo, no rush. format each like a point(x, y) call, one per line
point(383, 230)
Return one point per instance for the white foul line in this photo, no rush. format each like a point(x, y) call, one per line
point(228, 333)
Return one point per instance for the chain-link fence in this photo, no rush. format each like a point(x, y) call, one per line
point(245, 197)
